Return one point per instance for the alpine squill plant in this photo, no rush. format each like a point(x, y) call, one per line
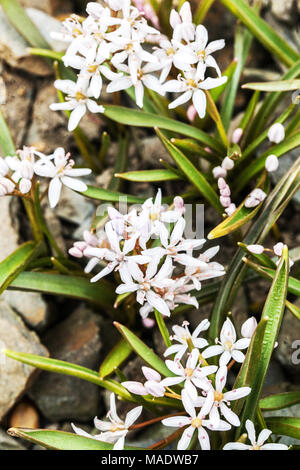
point(139, 265)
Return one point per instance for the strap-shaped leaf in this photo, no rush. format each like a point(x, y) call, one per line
point(143, 350)
point(279, 401)
point(6, 142)
point(132, 117)
point(191, 172)
point(262, 31)
point(69, 286)
point(279, 85)
point(149, 175)
point(115, 357)
point(273, 314)
point(11, 266)
point(284, 425)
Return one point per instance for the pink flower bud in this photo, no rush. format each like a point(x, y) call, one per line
point(25, 186)
point(225, 201)
point(227, 164)
point(231, 209)
point(276, 133)
point(151, 374)
point(255, 249)
point(135, 387)
point(271, 163)
point(154, 388)
point(219, 172)
point(278, 248)
point(6, 185)
point(225, 191)
point(251, 202)
point(191, 113)
point(90, 239)
point(75, 252)
point(236, 135)
point(179, 204)
point(259, 194)
point(249, 327)
point(81, 245)
point(148, 322)
point(222, 183)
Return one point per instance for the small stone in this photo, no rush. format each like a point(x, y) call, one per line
point(24, 415)
point(9, 229)
point(51, 7)
point(61, 397)
point(74, 208)
point(30, 306)
point(283, 10)
point(15, 376)
point(288, 344)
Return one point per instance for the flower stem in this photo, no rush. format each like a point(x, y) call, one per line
point(162, 328)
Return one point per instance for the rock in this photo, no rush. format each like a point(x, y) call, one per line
point(74, 340)
point(48, 6)
point(9, 443)
point(275, 375)
point(20, 93)
point(74, 208)
point(8, 228)
point(284, 10)
point(289, 344)
point(150, 436)
point(14, 50)
point(46, 24)
point(30, 305)
point(15, 376)
point(151, 150)
point(24, 415)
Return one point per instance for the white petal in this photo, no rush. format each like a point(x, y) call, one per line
point(186, 438)
point(54, 191)
point(76, 116)
point(74, 184)
point(132, 416)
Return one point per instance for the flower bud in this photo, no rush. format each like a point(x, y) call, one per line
point(255, 249)
point(26, 169)
point(276, 133)
point(3, 167)
point(219, 172)
point(76, 252)
point(191, 113)
point(90, 239)
point(222, 183)
point(278, 248)
point(25, 185)
point(135, 387)
point(225, 201)
point(154, 388)
point(249, 327)
point(6, 186)
point(227, 164)
point(271, 163)
point(148, 322)
point(236, 135)
point(225, 191)
point(179, 204)
point(231, 209)
point(151, 374)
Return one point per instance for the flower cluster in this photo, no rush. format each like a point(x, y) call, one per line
point(17, 172)
point(156, 264)
point(111, 43)
point(206, 402)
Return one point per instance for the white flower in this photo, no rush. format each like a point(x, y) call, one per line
point(182, 23)
point(193, 375)
point(4, 169)
point(185, 339)
point(276, 133)
point(271, 163)
point(209, 271)
point(221, 401)
point(195, 421)
point(118, 258)
point(78, 100)
point(172, 52)
point(248, 327)
point(201, 51)
point(115, 430)
point(278, 252)
point(148, 286)
point(142, 77)
point(255, 444)
point(6, 186)
point(23, 168)
point(227, 163)
point(152, 386)
point(191, 85)
point(255, 198)
point(61, 171)
point(228, 347)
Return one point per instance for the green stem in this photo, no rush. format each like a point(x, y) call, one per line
point(215, 115)
point(162, 328)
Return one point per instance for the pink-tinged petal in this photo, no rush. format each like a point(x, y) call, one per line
point(54, 191)
point(135, 387)
point(229, 415)
point(177, 232)
point(237, 393)
point(228, 332)
point(157, 302)
point(251, 431)
point(169, 381)
point(199, 101)
point(175, 348)
point(214, 416)
point(76, 116)
point(242, 343)
point(185, 439)
point(238, 356)
point(236, 446)
point(154, 388)
point(151, 374)
point(193, 359)
point(203, 439)
point(263, 436)
point(175, 367)
point(132, 416)
point(221, 378)
point(212, 351)
point(176, 421)
point(207, 405)
point(200, 343)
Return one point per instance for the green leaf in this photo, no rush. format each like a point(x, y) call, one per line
point(23, 24)
point(149, 175)
point(48, 53)
point(132, 117)
point(115, 358)
point(280, 85)
point(143, 350)
point(262, 31)
point(15, 263)
point(284, 426)
point(110, 196)
point(202, 10)
point(279, 401)
point(6, 142)
point(191, 172)
point(262, 258)
point(60, 440)
point(273, 313)
point(69, 286)
point(293, 309)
